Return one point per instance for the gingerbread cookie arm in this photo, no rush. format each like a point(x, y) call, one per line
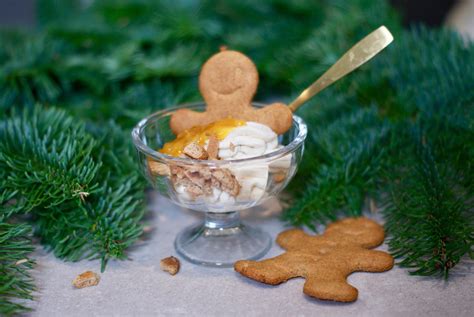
point(372, 261)
point(292, 239)
point(184, 119)
point(277, 116)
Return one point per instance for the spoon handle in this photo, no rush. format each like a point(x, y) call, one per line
point(360, 53)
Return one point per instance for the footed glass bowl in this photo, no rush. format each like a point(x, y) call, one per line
point(203, 185)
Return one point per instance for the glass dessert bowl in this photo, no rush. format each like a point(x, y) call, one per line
point(218, 188)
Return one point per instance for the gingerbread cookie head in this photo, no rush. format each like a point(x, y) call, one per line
point(228, 76)
point(361, 231)
point(228, 82)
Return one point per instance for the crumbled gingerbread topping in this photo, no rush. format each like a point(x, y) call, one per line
point(226, 181)
point(213, 147)
point(170, 265)
point(200, 181)
point(195, 151)
point(279, 177)
point(157, 168)
point(86, 279)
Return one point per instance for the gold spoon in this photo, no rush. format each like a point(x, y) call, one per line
point(360, 53)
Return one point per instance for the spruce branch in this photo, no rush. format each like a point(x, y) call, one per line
point(356, 145)
point(79, 183)
point(429, 216)
point(29, 74)
point(46, 160)
point(16, 284)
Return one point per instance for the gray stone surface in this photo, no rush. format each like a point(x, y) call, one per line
point(139, 288)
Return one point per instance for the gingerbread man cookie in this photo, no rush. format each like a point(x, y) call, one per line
point(324, 260)
point(228, 82)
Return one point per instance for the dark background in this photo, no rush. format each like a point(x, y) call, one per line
point(14, 13)
point(430, 12)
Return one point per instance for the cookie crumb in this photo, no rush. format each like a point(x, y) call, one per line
point(86, 279)
point(213, 147)
point(170, 265)
point(195, 151)
point(226, 181)
point(157, 168)
point(279, 177)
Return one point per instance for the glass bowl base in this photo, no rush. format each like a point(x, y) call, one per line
point(221, 247)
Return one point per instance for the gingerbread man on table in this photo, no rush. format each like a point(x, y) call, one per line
point(325, 260)
point(228, 81)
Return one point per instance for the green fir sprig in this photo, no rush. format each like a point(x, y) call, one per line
point(16, 283)
point(80, 184)
point(429, 213)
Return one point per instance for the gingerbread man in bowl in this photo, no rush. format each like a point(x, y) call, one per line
point(228, 81)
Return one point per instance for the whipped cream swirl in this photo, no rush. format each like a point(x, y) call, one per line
point(251, 140)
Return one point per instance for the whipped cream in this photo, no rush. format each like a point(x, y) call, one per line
point(250, 140)
point(247, 141)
